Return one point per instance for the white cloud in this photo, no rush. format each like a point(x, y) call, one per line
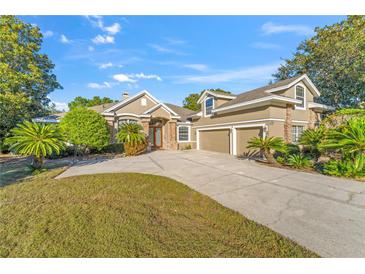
point(261, 45)
point(106, 65)
point(61, 106)
point(97, 21)
point(247, 74)
point(99, 86)
point(145, 76)
point(113, 29)
point(175, 41)
point(164, 49)
point(160, 48)
point(47, 34)
point(198, 67)
point(90, 48)
point(103, 39)
point(123, 78)
point(64, 39)
point(109, 65)
point(272, 28)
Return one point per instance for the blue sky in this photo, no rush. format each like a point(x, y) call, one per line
point(170, 56)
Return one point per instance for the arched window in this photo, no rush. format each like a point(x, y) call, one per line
point(208, 106)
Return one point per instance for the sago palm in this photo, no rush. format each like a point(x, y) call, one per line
point(312, 139)
point(267, 145)
point(131, 133)
point(350, 138)
point(37, 140)
point(133, 138)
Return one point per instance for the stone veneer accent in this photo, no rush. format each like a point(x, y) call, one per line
point(288, 123)
point(312, 119)
point(145, 125)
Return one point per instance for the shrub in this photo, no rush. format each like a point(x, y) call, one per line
point(311, 140)
point(299, 161)
point(281, 160)
point(267, 145)
point(37, 140)
point(86, 129)
point(113, 148)
point(346, 167)
point(348, 138)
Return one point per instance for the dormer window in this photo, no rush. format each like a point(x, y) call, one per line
point(300, 95)
point(208, 107)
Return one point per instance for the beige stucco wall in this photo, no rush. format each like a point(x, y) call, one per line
point(299, 114)
point(136, 107)
point(215, 140)
point(238, 116)
point(219, 101)
point(276, 129)
point(160, 112)
point(243, 135)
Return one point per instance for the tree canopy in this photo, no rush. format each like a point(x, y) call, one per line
point(13, 109)
point(191, 101)
point(84, 102)
point(334, 59)
point(22, 67)
point(85, 129)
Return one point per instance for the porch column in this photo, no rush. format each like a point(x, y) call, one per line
point(172, 140)
point(288, 123)
point(145, 125)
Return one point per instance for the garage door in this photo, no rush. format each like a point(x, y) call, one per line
point(243, 135)
point(214, 140)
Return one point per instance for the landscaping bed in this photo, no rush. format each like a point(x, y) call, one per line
point(127, 215)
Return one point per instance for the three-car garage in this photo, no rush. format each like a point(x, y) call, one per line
point(228, 139)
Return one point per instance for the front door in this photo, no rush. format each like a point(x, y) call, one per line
point(155, 137)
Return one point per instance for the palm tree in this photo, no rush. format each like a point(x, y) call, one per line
point(312, 139)
point(37, 140)
point(349, 138)
point(133, 137)
point(267, 145)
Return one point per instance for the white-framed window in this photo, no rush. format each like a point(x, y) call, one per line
point(208, 106)
point(183, 133)
point(296, 132)
point(143, 102)
point(300, 95)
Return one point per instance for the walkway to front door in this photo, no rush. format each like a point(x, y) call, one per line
point(322, 213)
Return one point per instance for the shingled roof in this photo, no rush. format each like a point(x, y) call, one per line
point(184, 113)
point(258, 92)
point(101, 108)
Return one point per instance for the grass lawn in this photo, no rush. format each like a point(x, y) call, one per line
point(13, 168)
point(127, 215)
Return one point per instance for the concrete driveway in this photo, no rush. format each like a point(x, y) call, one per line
point(324, 214)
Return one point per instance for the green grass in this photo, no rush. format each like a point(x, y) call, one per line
point(18, 169)
point(127, 215)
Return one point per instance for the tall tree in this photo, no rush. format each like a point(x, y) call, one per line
point(22, 67)
point(84, 102)
point(334, 58)
point(13, 109)
point(191, 101)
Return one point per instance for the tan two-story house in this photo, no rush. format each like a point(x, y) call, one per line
point(226, 121)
